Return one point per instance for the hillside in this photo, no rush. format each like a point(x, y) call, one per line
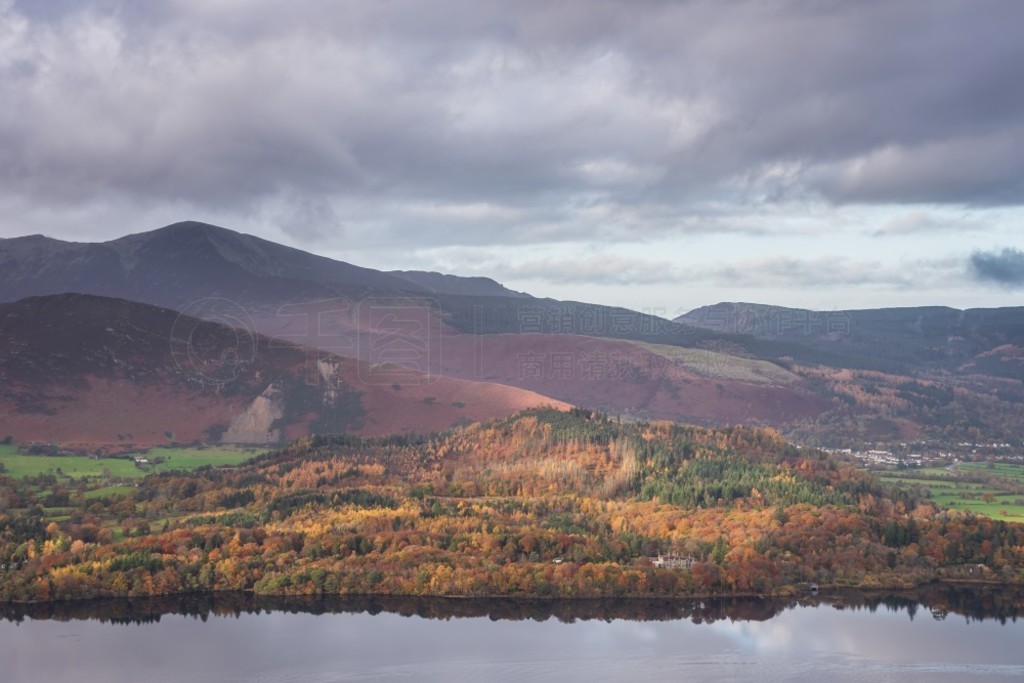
point(927, 337)
point(637, 380)
point(99, 372)
point(822, 378)
point(895, 374)
point(543, 504)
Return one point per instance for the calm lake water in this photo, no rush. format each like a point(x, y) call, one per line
point(942, 635)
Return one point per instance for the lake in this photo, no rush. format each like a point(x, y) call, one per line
point(939, 634)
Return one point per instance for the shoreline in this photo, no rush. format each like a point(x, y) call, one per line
point(824, 590)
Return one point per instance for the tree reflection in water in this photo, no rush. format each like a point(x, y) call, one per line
point(975, 603)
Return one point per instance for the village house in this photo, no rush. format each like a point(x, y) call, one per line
point(672, 562)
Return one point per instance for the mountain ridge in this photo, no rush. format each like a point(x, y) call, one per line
point(181, 262)
point(101, 372)
point(939, 337)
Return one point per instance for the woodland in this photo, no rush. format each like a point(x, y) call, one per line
point(545, 504)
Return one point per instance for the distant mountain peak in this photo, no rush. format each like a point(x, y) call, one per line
point(186, 261)
point(188, 227)
point(190, 224)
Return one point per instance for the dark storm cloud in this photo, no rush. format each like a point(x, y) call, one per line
point(615, 117)
point(1004, 267)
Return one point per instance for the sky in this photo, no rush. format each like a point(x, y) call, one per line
point(645, 153)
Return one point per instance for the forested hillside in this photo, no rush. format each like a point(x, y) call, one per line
point(545, 503)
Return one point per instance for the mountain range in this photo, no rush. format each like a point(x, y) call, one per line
point(195, 332)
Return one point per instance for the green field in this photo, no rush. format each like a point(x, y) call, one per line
point(1002, 469)
point(995, 491)
point(72, 466)
point(95, 479)
point(715, 365)
point(105, 491)
point(80, 466)
point(191, 458)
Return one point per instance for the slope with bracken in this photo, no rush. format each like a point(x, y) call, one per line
point(896, 374)
point(887, 339)
point(93, 371)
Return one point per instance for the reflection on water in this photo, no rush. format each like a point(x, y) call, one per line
point(939, 600)
point(938, 634)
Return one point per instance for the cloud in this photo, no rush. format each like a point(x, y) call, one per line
point(822, 272)
point(306, 217)
point(769, 272)
point(923, 222)
point(599, 269)
point(834, 272)
point(623, 118)
point(1004, 267)
point(596, 269)
point(978, 169)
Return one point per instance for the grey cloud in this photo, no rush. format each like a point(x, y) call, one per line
point(795, 272)
point(589, 268)
point(617, 117)
point(986, 170)
point(832, 272)
point(596, 269)
point(1004, 267)
point(307, 218)
point(754, 274)
point(923, 222)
